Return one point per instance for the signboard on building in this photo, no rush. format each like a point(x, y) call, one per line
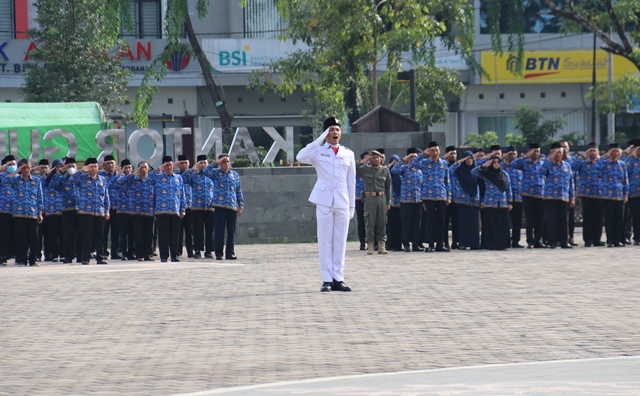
point(14, 54)
point(244, 55)
point(541, 67)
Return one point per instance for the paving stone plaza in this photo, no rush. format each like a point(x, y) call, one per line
point(204, 326)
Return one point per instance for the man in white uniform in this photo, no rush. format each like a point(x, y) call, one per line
point(334, 197)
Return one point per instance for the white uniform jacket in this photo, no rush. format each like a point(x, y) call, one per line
point(336, 184)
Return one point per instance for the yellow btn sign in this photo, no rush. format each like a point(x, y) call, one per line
point(540, 67)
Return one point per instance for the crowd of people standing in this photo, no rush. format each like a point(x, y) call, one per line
point(483, 197)
point(68, 213)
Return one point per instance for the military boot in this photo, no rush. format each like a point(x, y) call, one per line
point(382, 249)
point(369, 247)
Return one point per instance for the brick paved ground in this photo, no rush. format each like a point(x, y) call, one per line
point(154, 328)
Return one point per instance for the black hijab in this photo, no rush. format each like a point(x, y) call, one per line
point(496, 176)
point(467, 181)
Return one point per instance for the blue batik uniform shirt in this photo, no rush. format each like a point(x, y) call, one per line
point(142, 198)
point(435, 178)
point(587, 176)
point(169, 193)
point(52, 199)
point(201, 187)
point(63, 184)
point(633, 172)
point(227, 190)
point(516, 177)
point(614, 181)
point(93, 194)
point(493, 197)
point(112, 186)
point(532, 180)
point(459, 195)
point(28, 196)
point(7, 194)
point(558, 181)
point(411, 178)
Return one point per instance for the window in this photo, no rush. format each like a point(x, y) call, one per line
point(501, 125)
point(146, 18)
point(7, 22)
point(262, 20)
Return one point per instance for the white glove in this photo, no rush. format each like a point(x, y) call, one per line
point(352, 211)
point(321, 138)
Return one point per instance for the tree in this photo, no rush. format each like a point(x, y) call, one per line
point(356, 48)
point(600, 17)
point(533, 128)
point(76, 59)
point(177, 16)
point(487, 139)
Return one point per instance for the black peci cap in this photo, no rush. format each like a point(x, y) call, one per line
point(534, 145)
point(90, 161)
point(201, 157)
point(125, 162)
point(109, 158)
point(167, 158)
point(183, 157)
point(331, 121)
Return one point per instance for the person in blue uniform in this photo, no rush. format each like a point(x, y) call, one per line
point(394, 215)
point(515, 175)
point(39, 173)
point(112, 225)
point(170, 206)
point(632, 162)
point(93, 210)
point(495, 196)
point(588, 190)
point(185, 237)
point(142, 198)
point(436, 194)
point(6, 210)
point(532, 194)
point(614, 190)
point(27, 212)
point(201, 186)
point(126, 226)
point(228, 202)
point(60, 181)
point(451, 213)
point(410, 200)
point(570, 159)
point(466, 195)
point(52, 215)
point(559, 196)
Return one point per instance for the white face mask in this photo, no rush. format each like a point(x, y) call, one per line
point(71, 171)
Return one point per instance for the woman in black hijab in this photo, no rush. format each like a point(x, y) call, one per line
point(467, 200)
point(495, 197)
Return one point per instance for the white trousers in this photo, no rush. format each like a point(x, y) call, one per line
point(333, 227)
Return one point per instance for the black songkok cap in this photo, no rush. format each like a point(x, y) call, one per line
point(331, 121)
point(534, 145)
point(614, 146)
point(125, 162)
point(592, 145)
point(511, 149)
point(183, 157)
point(43, 162)
point(4, 161)
point(9, 158)
point(495, 147)
point(449, 149)
point(433, 144)
point(635, 142)
point(69, 160)
point(109, 158)
point(167, 158)
point(555, 145)
point(90, 161)
point(201, 157)
point(412, 150)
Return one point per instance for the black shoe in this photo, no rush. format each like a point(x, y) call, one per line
point(208, 255)
point(635, 243)
point(55, 260)
point(609, 245)
point(572, 243)
point(552, 246)
point(599, 243)
point(124, 258)
point(588, 244)
point(455, 245)
point(429, 250)
point(67, 261)
point(326, 287)
point(620, 244)
point(20, 264)
point(218, 257)
point(163, 260)
point(539, 246)
point(407, 249)
point(101, 262)
point(115, 256)
point(363, 247)
point(418, 249)
point(196, 254)
point(148, 259)
point(442, 249)
point(422, 246)
point(566, 246)
point(175, 260)
point(33, 264)
point(517, 246)
point(460, 247)
point(190, 255)
point(340, 286)
point(231, 257)
point(85, 263)
point(627, 242)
